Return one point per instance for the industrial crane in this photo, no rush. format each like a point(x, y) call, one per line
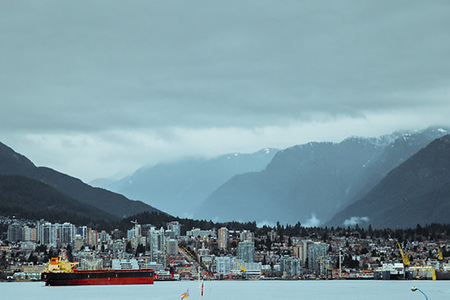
point(404, 256)
point(441, 258)
point(193, 258)
point(242, 267)
point(326, 267)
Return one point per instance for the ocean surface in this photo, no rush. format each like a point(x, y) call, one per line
point(229, 290)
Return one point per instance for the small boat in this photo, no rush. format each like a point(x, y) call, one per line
point(61, 272)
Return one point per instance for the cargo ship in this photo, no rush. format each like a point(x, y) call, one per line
point(61, 272)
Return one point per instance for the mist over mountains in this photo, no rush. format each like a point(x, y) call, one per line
point(396, 180)
point(180, 187)
point(417, 191)
point(309, 183)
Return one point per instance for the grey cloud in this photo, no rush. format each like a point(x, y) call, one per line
point(356, 220)
point(163, 61)
point(82, 67)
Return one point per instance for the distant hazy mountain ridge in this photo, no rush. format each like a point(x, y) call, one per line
point(179, 187)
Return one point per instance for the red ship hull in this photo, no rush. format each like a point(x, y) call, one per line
point(99, 277)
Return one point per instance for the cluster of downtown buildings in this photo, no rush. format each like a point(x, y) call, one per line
point(218, 253)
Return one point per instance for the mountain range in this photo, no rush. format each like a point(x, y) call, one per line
point(396, 180)
point(31, 199)
point(417, 191)
point(112, 204)
point(179, 187)
point(310, 183)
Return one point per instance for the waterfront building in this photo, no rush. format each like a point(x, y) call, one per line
point(103, 236)
point(302, 250)
point(28, 234)
point(157, 242)
point(253, 268)
point(138, 229)
point(135, 242)
point(88, 260)
point(223, 264)
point(246, 251)
point(247, 235)
point(14, 233)
point(316, 251)
point(131, 233)
point(172, 247)
point(92, 238)
point(82, 230)
point(125, 264)
point(198, 233)
point(174, 228)
point(78, 242)
point(58, 232)
point(222, 238)
point(291, 266)
point(49, 234)
point(67, 234)
point(38, 231)
point(118, 249)
point(203, 251)
point(135, 232)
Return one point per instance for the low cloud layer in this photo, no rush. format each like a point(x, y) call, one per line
point(312, 222)
point(356, 221)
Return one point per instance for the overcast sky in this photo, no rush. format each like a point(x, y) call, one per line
point(99, 88)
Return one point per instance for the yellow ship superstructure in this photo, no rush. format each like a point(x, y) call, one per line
point(59, 265)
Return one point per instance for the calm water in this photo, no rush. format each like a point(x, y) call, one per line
point(229, 290)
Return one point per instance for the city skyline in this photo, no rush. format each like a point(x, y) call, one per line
point(287, 253)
